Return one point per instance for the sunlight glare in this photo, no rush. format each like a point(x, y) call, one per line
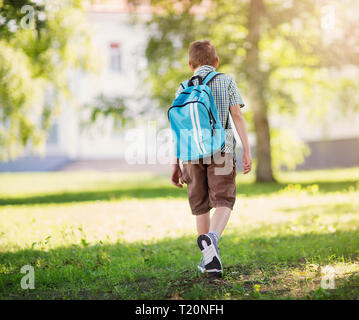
point(328, 18)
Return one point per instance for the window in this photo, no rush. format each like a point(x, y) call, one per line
point(53, 137)
point(115, 57)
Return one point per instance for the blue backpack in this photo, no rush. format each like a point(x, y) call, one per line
point(193, 115)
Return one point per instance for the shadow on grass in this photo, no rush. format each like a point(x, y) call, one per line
point(248, 189)
point(167, 269)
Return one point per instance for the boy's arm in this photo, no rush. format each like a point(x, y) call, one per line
point(241, 127)
point(236, 103)
point(176, 176)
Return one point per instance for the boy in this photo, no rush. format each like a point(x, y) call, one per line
point(207, 186)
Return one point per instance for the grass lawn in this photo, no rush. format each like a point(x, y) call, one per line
point(92, 235)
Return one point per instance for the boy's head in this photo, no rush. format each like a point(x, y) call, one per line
point(202, 52)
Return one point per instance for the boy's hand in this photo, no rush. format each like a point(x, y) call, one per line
point(247, 162)
point(176, 176)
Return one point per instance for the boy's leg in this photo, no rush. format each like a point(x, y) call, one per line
point(195, 176)
point(222, 193)
point(208, 240)
point(218, 222)
point(203, 223)
point(221, 175)
point(220, 219)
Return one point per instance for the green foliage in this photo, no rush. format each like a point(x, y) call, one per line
point(18, 91)
point(122, 111)
point(105, 107)
point(34, 69)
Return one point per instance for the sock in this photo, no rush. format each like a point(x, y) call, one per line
point(215, 235)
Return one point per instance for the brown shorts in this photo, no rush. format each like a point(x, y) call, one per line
point(211, 182)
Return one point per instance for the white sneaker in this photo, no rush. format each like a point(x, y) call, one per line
point(211, 259)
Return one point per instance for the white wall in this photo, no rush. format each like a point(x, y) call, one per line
point(101, 141)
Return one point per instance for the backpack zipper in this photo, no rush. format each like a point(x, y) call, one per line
point(210, 114)
point(197, 91)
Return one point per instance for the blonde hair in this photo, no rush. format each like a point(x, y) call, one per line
point(202, 52)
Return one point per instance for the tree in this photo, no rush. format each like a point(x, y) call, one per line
point(40, 44)
point(265, 43)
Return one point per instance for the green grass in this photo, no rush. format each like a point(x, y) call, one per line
point(94, 235)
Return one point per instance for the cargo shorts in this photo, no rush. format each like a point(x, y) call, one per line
point(211, 182)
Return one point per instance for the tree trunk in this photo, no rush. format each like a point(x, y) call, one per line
point(257, 81)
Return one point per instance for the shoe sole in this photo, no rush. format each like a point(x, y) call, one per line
point(214, 265)
point(202, 270)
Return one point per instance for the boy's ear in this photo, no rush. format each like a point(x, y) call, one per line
point(216, 63)
point(190, 65)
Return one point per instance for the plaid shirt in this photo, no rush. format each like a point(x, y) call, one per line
point(226, 95)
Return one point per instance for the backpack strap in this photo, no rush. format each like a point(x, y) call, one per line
point(210, 76)
point(184, 84)
point(190, 82)
point(206, 80)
